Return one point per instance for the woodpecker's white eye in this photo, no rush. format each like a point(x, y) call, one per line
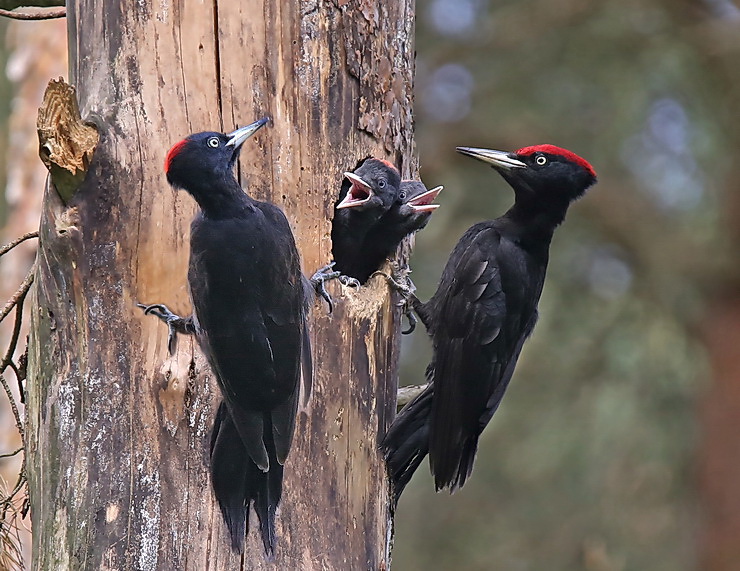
point(213, 142)
point(541, 160)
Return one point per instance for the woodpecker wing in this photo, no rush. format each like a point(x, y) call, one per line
point(475, 341)
point(285, 315)
point(250, 319)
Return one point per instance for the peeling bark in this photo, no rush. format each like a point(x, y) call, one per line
point(66, 143)
point(118, 430)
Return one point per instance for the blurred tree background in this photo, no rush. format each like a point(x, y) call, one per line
point(613, 449)
point(617, 446)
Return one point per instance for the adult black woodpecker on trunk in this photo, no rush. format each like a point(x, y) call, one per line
point(408, 214)
point(366, 195)
point(484, 309)
point(249, 315)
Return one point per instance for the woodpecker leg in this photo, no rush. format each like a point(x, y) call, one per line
point(411, 319)
point(326, 274)
point(399, 280)
point(175, 323)
point(349, 281)
point(319, 278)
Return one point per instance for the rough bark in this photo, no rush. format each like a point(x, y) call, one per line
point(66, 143)
point(118, 430)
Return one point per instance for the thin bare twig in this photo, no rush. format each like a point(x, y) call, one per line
point(8, 358)
point(8, 247)
point(14, 408)
point(16, 300)
point(11, 454)
point(10, 553)
point(13, 344)
point(18, 295)
point(40, 15)
point(21, 478)
point(13, 366)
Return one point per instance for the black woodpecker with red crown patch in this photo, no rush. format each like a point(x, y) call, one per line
point(365, 197)
point(249, 315)
point(484, 309)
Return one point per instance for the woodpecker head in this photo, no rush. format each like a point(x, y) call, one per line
point(417, 198)
point(415, 208)
point(543, 173)
point(201, 159)
point(374, 186)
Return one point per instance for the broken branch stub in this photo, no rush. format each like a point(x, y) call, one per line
point(408, 393)
point(66, 142)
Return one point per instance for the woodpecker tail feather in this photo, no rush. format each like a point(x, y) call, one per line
point(229, 466)
point(306, 364)
point(455, 475)
point(237, 481)
point(266, 489)
point(407, 442)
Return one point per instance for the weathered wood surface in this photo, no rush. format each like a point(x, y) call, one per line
point(66, 143)
point(118, 430)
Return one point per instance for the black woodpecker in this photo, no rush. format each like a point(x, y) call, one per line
point(484, 309)
point(249, 316)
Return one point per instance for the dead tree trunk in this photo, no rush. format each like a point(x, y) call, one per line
point(118, 431)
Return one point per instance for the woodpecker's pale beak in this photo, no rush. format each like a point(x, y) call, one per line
point(358, 194)
point(423, 202)
point(236, 138)
point(498, 159)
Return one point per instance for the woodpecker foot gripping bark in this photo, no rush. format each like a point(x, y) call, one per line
point(399, 280)
point(320, 277)
point(175, 323)
point(349, 281)
point(326, 274)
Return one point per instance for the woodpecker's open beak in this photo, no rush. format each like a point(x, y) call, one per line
point(500, 160)
point(358, 194)
point(236, 138)
point(423, 202)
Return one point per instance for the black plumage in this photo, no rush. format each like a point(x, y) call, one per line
point(484, 309)
point(249, 316)
point(366, 195)
point(408, 214)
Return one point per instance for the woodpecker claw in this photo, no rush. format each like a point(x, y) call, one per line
point(320, 277)
point(411, 319)
point(394, 281)
point(327, 273)
point(349, 281)
point(175, 323)
point(406, 290)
